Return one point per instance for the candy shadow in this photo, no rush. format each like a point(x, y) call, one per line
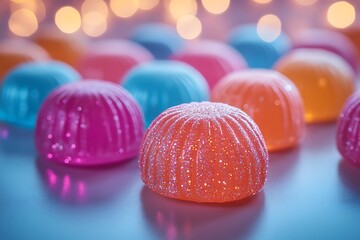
point(76, 186)
point(16, 141)
point(175, 219)
point(319, 136)
point(350, 176)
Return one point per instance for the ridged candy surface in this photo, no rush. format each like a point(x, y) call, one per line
point(15, 52)
point(212, 59)
point(324, 80)
point(160, 39)
point(348, 130)
point(162, 84)
point(257, 52)
point(204, 152)
point(25, 88)
point(110, 60)
point(89, 123)
point(270, 99)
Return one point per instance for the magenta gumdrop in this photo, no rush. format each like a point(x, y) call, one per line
point(89, 123)
point(348, 130)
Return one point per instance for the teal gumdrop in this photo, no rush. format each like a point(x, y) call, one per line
point(25, 88)
point(160, 85)
point(257, 52)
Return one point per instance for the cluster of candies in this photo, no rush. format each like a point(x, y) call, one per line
point(212, 110)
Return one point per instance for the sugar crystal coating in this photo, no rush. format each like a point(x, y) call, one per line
point(270, 99)
point(204, 152)
point(89, 123)
point(324, 80)
point(348, 130)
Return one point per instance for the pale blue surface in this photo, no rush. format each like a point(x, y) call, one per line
point(258, 53)
point(310, 193)
point(160, 85)
point(160, 39)
point(26, 87)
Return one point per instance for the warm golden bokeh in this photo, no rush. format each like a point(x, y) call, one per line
point(269, 27)
point(23, 23)
point(180, 8)
point(262, 1)
point(99, 6)
point(306, 2)
point(94, 24)
point(189, 27)
point(341, 14)
point(68, 19)
point(148, 4)
point(124, 8)
point(216, 6)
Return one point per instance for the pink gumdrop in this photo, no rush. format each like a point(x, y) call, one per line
point(110, 60)
point(212, 59)
point(348, 131)
point(332, 41)
point(89, 123)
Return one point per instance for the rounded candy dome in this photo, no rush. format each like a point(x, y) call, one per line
point(204, 152)
point(270, 99)
point(348, 130)
point(89, 123)
point(25, 88)
point(257, 52)
point(160, 39)
point(212, 59)
point(324, 80)
point(110, 60)
point(14, 52)
point(162, 84)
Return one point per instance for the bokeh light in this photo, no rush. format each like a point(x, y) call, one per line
point(124, 8)
point(269, 27)
point(180, 8)
point(99, 6)
point(341, 14)
point(23, 22)
point(189, 27)
point(36, 6)
point(306, 2)
point(148, 4)
point(216, 6)
point(94, 24)
point(262, 1)
point(68, 19)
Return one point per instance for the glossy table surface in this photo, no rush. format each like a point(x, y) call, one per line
point(311, 193)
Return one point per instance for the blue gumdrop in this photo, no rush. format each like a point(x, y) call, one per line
point(160, 85)
point(160, 39)
point(25, 88)
point(257, 52)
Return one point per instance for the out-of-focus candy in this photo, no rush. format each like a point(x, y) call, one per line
point(110, 60)
point(257, 52)
point(89, 123)
point(204, 152)
point(63, 47)
point(212, 59)
point(160, 39)
point(353, 33)
point(25, 88)
point(163, 84)
point(328, 40)
point(270, 99)
point(324, 80)
point(14, 52)
point(348, 130)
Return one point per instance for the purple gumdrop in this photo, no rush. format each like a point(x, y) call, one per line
point(89, 123)
point(348, 131)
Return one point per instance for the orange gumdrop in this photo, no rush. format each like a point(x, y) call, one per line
point(14, 52)
point(324, 80)
point(204, 152)
point(270, 99)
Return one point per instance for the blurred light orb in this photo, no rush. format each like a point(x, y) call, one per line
point(269, 27)
point(305, 2)
point(216, 6)
point(99, 6)
point(124, 8)
point(263, 1)
point(68, 19)
point(341, 14)
point(180, 8)
point(189, 27)
point(94, 24)
point(23, 22)
point(148, 4)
